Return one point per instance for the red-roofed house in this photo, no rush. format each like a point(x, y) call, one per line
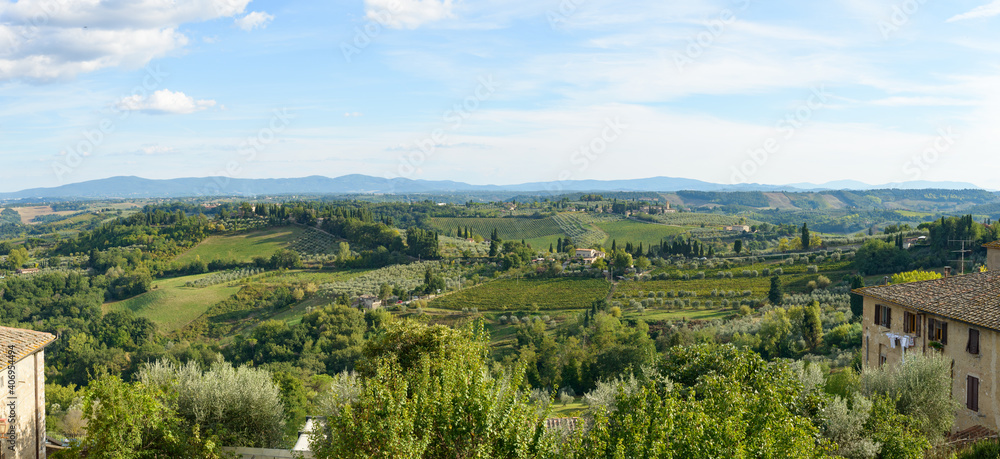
point(957, 317)
point(22, 423)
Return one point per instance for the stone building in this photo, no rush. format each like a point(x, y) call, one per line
point(23, 420)
point(957, 317)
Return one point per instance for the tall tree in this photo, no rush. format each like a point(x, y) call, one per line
point(776, 295)
point(738, 246)
point(857, 301)
point(812, 326)
point(805, 236)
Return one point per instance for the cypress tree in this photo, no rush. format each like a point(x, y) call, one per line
point(857, 301)
point(776, 295)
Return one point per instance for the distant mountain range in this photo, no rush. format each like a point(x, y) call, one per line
point(136, 187)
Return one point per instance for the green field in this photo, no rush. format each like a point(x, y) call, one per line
point(172, 305)
point(578, 225)
point(243, 247)
point(539, 232)
point(635, 232)
point(513, 294)
point(759, 286)
point(654, 315)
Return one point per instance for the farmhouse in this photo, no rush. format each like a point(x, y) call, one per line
point(589, 255)
point(957, 317)
point(369, 301)
point(739, 228)
point(27, 271)
point(23, 420)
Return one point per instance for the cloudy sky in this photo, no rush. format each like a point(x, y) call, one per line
point(491, 91)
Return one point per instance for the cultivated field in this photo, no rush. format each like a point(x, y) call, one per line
point(29, 213)
point(243, 247)
point(635, 232)
point(539, 232)
point(578, 226)
point(513, 294)
point(172, 305)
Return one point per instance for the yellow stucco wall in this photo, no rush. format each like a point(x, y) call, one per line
point(983, 366)
point(28, 408)
point(993, 259)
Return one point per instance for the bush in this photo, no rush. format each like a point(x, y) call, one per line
point(921, 388)
point(823, 282)
point(985, 449)
point(428, 391)
point(241, 405)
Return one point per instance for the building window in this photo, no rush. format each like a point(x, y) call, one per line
point(881, 354)
point(972, 393)
point(883, 316)
point(911, 323)
point(937, 330)
point(973, 345)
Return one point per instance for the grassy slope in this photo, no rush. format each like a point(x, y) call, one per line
point(538, 232)
point(243, 247)
point(635, 232)
point(172, 305)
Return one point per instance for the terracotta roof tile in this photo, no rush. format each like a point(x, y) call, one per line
point(25, 343)
point(972, 298)
point(992, 245)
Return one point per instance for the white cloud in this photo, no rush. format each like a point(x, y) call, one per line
point(41, 40)
point(923, 101)
point(254, 20)
point(983, 11)
point(408, 14)
point(353, 115)
point(164, 101)
point(155, 149)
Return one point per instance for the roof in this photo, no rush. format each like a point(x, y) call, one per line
point(302, 443)
point(992, 245)
point(971, 298)
point(25, 342)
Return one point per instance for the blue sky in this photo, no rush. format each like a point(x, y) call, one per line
point(499, 91)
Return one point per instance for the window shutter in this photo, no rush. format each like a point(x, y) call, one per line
point(972, 393)
point(919, 322)
point(944, 332)
point(973, 345)
point(888, 318)
point(878, 314)
point(975, 394)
